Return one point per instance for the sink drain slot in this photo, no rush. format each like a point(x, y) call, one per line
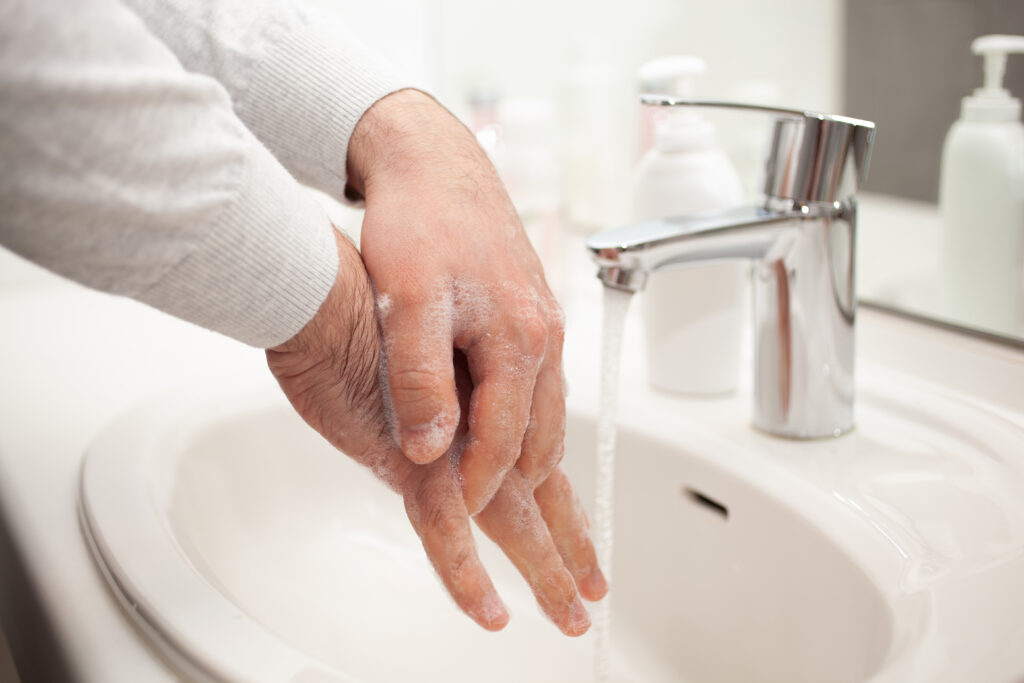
point(706, 501)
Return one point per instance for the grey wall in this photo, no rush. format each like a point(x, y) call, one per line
point(908, 63)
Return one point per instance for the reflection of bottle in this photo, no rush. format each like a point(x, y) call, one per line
point(594, 145)
point(981, 200)
point(531, 172)
point(662, 77)
point(693, 316)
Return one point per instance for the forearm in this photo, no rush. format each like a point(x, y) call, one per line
point(409, 137)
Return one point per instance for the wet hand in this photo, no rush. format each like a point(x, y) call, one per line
point(453, 269)
point(330, 373)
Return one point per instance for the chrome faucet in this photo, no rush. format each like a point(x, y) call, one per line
point(801, 237)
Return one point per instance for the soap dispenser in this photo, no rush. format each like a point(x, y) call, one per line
point(981, 200)
point(694, 316)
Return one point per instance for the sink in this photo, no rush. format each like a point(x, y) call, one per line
point(248, 549)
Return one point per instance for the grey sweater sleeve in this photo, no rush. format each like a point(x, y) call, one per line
point(127, 173)
point(297, 77)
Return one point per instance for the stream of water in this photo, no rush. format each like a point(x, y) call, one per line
point(616, 304)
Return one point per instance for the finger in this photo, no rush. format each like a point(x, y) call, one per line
point(544, 442)
point(570, 532)
point(418, 356)
point(499, 411)
point(439, 516)
point(513, 521)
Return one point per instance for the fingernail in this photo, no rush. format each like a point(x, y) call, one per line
point(579, 620)
point(423, 443)
point(493, 613)
point(595, 584)
point(475, 504)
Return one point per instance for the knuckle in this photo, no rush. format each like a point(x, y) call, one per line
point(438, 517)
point(459, 563)
point(533, 333)
point(448, 523)
point(539, 467)
point(414, 387)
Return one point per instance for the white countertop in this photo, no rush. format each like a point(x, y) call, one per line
point(72, 359)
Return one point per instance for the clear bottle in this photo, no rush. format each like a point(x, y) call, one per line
point(694, 316)
point(981, 201)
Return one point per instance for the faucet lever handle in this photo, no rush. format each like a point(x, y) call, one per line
point(812, 157)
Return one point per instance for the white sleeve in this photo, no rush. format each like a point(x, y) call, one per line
point(297, 77)
point(125, 172)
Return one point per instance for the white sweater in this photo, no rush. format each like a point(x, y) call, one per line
point(151, 148)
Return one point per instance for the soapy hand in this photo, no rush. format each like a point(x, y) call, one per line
point(453, 269)
point(330, 372)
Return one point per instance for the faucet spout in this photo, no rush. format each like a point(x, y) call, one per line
point(802, 243)
point(804, 303)
point(627, 255)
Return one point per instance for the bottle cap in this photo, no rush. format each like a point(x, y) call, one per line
point(993, 102)
point(672, 76)
point(680, 130)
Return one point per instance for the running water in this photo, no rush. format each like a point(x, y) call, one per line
point(616, 303)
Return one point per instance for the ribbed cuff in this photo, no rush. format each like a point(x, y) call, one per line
point(263, 270)
point(305, 99)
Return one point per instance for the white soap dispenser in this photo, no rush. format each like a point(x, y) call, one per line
point(981, 200)
point(694, 316)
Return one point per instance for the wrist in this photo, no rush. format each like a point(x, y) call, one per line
point(402, 135)
point(343, 331)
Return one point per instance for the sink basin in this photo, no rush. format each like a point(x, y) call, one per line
point(249, 549)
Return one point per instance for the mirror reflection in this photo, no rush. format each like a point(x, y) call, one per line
point(943, 235)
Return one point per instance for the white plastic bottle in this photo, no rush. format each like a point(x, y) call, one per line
point(981, 200)
point(694, 316)
point(531, 172)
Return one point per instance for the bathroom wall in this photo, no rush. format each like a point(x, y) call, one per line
point(403, 31)
point(785, 52)
point(8, 673)
point(526, 46)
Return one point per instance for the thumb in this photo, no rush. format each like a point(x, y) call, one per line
point(421, 382)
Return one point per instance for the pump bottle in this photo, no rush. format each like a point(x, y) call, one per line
point(694, 316)
point(981, 201)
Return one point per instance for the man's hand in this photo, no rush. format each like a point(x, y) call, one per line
point(330, 373)
point(453, 268)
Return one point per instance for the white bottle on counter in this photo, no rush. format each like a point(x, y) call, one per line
point(694, 316)
point(531, 172)
point(981, 200)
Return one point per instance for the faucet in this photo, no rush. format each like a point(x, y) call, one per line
point(801, 237)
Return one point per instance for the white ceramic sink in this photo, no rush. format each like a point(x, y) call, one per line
point(250, 550)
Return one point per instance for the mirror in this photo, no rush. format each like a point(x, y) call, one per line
point(906, 66)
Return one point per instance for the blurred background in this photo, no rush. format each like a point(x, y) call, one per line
point(550, 87)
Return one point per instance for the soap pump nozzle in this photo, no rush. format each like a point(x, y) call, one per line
point(993, 102)
point(679, 128)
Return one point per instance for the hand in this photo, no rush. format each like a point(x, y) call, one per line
point(330, 373)
point(453, 268)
